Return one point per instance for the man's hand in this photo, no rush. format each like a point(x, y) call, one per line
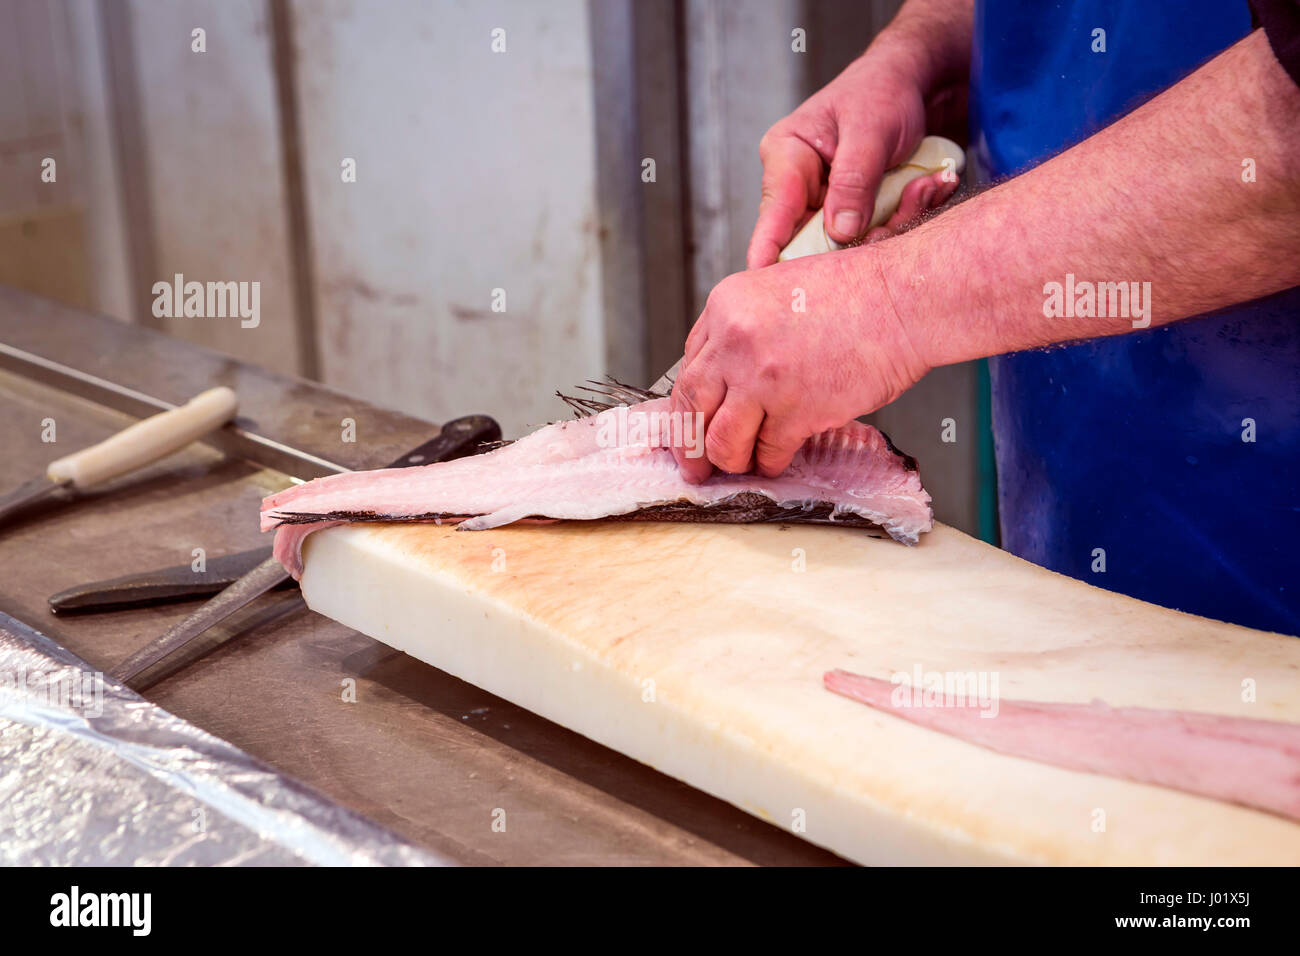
point(766, 376)
point(867, 120)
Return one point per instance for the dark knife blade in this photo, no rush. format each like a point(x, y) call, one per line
point(267, 575)
point(160, 586)
point(459, 438)
point(30, 492)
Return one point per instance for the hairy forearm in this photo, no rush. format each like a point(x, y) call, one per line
point(1158, 197)
point(934, 36)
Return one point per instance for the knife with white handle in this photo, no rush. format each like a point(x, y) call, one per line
point(935, 154)
point(457, 438)
point(134, 447)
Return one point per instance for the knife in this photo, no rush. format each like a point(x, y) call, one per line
point(664, 385)
point(458, 438)
point(935, 154)
point(181, 582)
point(134, 447)
point(159, 586)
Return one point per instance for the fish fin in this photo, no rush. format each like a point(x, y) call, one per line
point(497, 518)
point(611, 392)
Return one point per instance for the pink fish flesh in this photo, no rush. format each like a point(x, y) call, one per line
point(1254, 763)
point(618, 465)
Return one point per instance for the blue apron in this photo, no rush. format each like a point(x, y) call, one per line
point(1129, 450)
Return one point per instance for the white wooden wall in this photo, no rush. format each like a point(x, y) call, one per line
point(212, 166)
point(475, 173)
point(42, 223)
point(742, 76)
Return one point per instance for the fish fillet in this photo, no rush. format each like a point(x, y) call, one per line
point(617, 464)
point(1254, 763)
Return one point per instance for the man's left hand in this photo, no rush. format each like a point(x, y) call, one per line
point(783, 353)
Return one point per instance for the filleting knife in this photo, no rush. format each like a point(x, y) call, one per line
point(458, 438)
point(134, 447)
point(935, 154)
point(168, 585)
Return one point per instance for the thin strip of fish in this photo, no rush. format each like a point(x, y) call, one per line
point(1254, 763)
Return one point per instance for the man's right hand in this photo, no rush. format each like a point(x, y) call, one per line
point(867, 120)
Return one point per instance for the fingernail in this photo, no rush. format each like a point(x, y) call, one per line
point(848, 222)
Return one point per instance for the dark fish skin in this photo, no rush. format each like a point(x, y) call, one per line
point(743, 508)
point(748, 508)
point(908, 461)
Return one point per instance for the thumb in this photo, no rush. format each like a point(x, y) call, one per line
point(856, 169)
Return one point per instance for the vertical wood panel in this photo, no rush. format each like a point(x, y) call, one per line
point(131, 158)
point(661, 113)
point(475, 172)
point(838, 32)
point(42, 247)
point(302, 261)
point(742, 76)
point(638, 96)
point(620, 194)
point(93, 159)
point(13, 106)
point(210, 131)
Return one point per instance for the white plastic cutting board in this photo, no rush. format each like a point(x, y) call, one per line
point(700, 649)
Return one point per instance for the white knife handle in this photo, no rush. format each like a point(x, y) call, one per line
point(934, 155)
point(147, 440)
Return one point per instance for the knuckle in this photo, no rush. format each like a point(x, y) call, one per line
point(725, 453)
point(720, 297)
point(772, 461)
point(770, 369)
point(741, 338)
point(849, 178)
point(781, 435)
point(684, 392)
point(774, 134)
point(741, 324)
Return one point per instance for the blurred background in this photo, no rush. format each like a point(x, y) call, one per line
point(496, 145)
